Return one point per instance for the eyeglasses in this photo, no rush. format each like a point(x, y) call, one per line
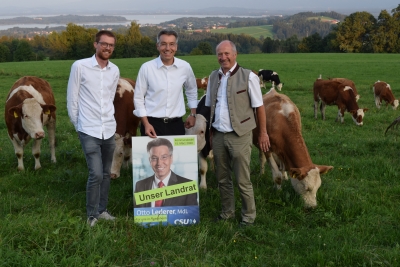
point(162, 158)
point(105, 45)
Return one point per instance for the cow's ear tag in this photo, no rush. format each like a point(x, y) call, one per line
point(15, 114)
point(47, 112)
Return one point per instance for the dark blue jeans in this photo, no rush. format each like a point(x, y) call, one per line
point(99, 155)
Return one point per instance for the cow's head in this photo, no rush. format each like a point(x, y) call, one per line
point(306, 182)
point(199, 129)
point(395, 104)
point(358, 116)
point(31, 113)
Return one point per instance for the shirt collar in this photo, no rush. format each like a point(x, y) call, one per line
point(160, 63)
point(165, 180)
point(96, 64)
point(231, 71)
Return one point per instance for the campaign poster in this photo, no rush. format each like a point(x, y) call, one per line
point(165, 180)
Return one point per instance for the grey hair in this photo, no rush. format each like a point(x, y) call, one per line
point(230, 42)
point(160, 142)
point(167, 32)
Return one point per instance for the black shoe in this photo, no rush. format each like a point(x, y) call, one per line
point(220, 219)
point(245, 224)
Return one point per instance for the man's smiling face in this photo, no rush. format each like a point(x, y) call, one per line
point(160, 160)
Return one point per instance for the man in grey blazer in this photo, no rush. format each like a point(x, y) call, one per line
point(160, 152)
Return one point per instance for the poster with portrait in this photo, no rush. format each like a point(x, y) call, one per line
point(165, 180)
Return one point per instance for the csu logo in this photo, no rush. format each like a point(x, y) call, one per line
point(185, 221)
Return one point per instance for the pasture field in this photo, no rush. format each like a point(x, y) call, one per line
point(253, 31)
point(356, 223)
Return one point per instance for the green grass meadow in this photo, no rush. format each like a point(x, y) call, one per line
point(356, 223)
point(253, 31)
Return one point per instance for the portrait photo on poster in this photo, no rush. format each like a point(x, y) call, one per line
point(165, 180)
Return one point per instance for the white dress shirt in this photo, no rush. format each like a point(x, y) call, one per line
point(159, 89)
point(90, 96)
point(222, 121)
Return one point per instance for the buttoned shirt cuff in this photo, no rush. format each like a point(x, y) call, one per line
point(140, 113)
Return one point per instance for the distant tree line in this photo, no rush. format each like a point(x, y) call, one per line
point(358, 32)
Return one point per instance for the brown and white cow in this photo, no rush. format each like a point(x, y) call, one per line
point(348, 83)
point(30, 105)
point(288, 151)
point(201, 129)
point(127, 124)
point(202, 83)
point(382, 91)
point(337, 93)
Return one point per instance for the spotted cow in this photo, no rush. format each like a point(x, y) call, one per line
point(383, 92)
point(288, 151)
point(30, 105)
point(336, 93)
point(127, 124)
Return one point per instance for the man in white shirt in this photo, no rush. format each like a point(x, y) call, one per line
point(159, 86)
point(91, 89)
point(234, 93)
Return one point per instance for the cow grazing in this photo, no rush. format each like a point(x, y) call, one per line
point(202, 83)
point(270, 76)
point(348, 83)
point(127, 124)
point(336, 93)
point(30, 105)
point(201, 129)
point(288, 151)
point(382, 91)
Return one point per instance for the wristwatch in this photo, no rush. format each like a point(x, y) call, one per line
point(193, 114)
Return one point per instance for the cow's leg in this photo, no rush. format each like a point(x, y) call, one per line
point(276, 173)
point(262, 160)
point(118, 156)
point(127, 156)
point(36, 152)
point(203, 166)
point(281, 167)
point(51, 129)
point(340, 116)
point(322, 108)
point(315, 109)
point(19, 152)
point(377, 101)
point(211, 159)
point(127, 151)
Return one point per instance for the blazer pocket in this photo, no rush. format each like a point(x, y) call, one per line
point(241, 91)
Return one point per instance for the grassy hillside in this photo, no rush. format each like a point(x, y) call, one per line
point(356, 223)
point(254, 31)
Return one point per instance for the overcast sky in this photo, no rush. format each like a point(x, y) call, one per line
point(170, 5)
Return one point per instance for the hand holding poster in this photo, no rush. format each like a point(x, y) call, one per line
point(165, 181)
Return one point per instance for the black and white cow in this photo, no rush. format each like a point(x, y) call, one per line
point(270, 76)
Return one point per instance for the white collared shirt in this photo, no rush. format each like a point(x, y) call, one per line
point(222, 121)
point(159, 89)
point(155, 184)
point(90, 96)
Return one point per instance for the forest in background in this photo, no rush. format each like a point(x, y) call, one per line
point(306, 32)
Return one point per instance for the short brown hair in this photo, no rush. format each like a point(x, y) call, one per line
point(105, 32)
point(160, 142)
point(167, 32)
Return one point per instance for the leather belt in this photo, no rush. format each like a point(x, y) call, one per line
point(166, 120)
